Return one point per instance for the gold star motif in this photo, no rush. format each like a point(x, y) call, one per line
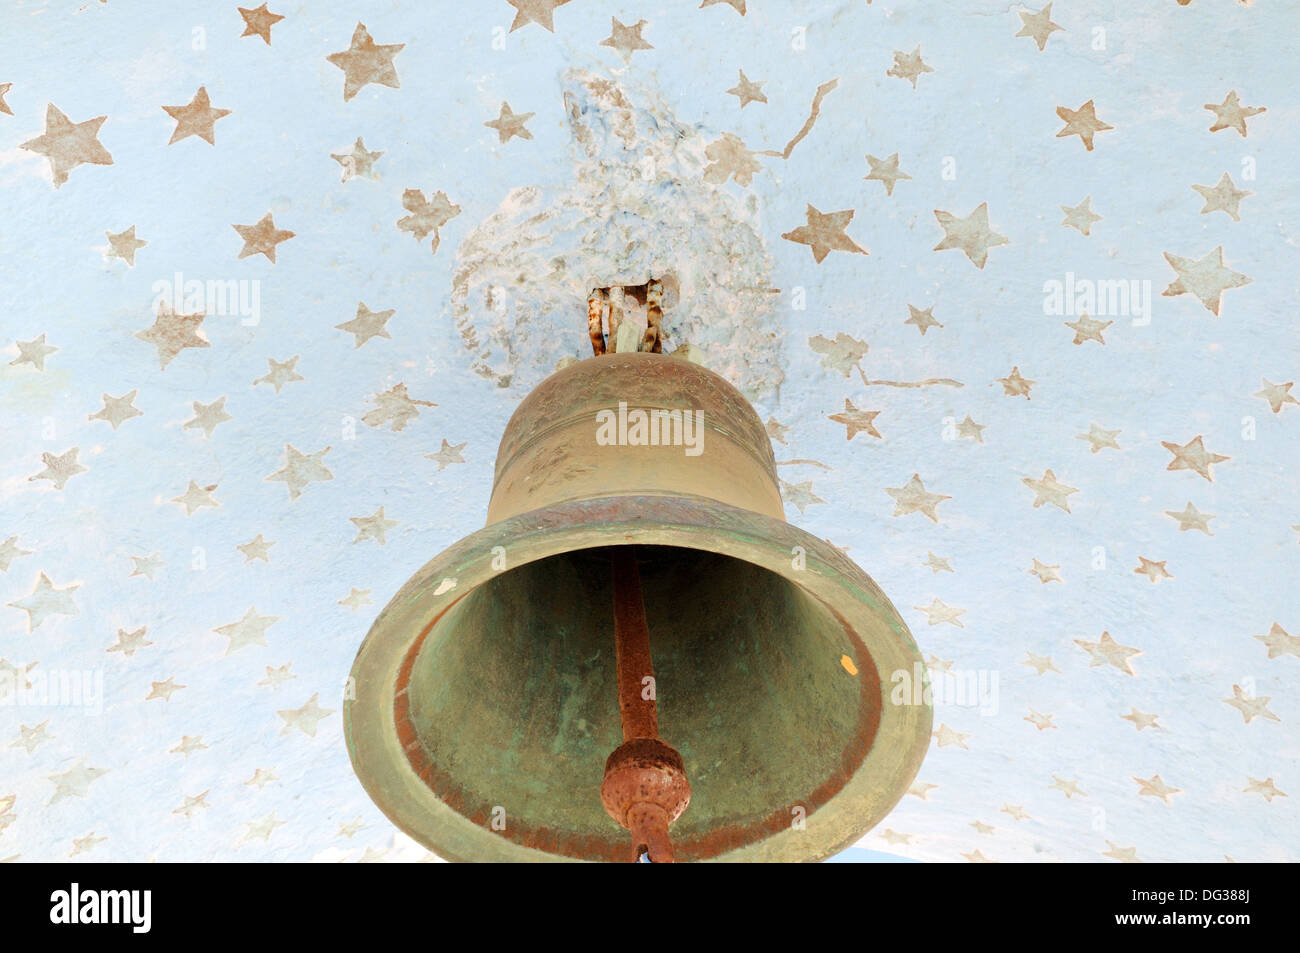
point(261, 830)
point(937, 564)
point(306, 718)
point(1192, 518)
point(945, 736)
point(1142, 720)
point(163, 690)
point(128, 643)
point(1081, 122)
point(1107, 651)
point(367, 324)
point(1041, 664)
point(67, 144)
point(1223, 196)
point(970, 430)
point(257, 548)
point(1100, 439)
point(447, 455)
point(799, 495)
point(1016, 811)
point(9, 551)
point(207, 416)
point(747, 91)
point(356, 599)
point(1250, 706)
point(351, 828)
point(196, 497)
point(1277, 395)
point(394, 407)
point(912, 497)
point(146, 565)
point(365, 62)
point(908, 66)
point(4, 106)
point(971, 234)
point(75, 782)
point(45, 600)
point(1087, 329)
point(893, 837)
point(188, 745)
point(59, 468)
point(33, 352)
point(123, 245)
point(1230, 114)
point(1080, 216)
point(737, 5)
point(301, 470)
point(886, 171)
point(261, 239)
point(1280, 642)
point(626, 39)
point(250, 630)
point(373, 527)
point(541, 12)
point(825, 233)
point(281, 373)
point(1068, 788)
point(975, 857)
point(29, 739)
point(192, 804)
point(1266, 788)
point(1207, 278)
point(1038, 26)
point(358, 162)
point(1013, 385)
point(275, 677)
point(937, 611)
point(1154, 787)
point(261, 778)
point(1193, 456)
point(1155, 571)
point(1039, 720)
point(982, 828)
point(196, 118)
point(921, 789)
point(1127, 855)
point(776, 430)
point(1049, 490)
point(427, 215)
point(509, 124)
point(116, 409)
point(1045, 573)
point(258, 22)
point(856, 421)
point(171, 333)
point(924, 320)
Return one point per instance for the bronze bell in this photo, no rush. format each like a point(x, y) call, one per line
point(647, 599)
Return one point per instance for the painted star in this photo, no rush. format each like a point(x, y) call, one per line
point(1155, 571)
point(1207, 278)
point(300, 470)
point(982, 828)
point(1088, 329)
point(365, 61)
point(1250, 706)
point(1266, 788)
point(33, 352)
point(447, 455)
point(257, 548)
point(261, 830)
point(1280, 642)
point(306, 718)
point(356, 599)
point(1013, 385)
point(912, 497)
point(1038, 26)
point(937, 564)
point(9, 551)
point(351, 828)
point(146, 565)
point(4, 106)
point(192, 804)
point(626, 39)
point(1127, 855)
point(976, 857)
point(427, 215)
point(971, 234)
point(1081, 122)
point(1193, 456)
point(737, 5)
point(123, 245)
point(116, 409)
point(207, 416)
point(1277, 395)
point(800, 495)
point(945, 736)
point(893, 837)
point(188, 745)
point(277, 676)
point(1068, 788)
point(31, 738)
point(1223, 196)
point(67, 144)
point(261, 239)
point(1045, 573)
point(970, 430)
point(1016, 811)
point(908, 66)
point(258, 22)
point(921, 789)
point(163, 690)
point(196, 497)
point(128, 643)
point(373, 527)
point(196, 118)
point(924, 320)
point(1192, 518)
point(825, 233)
point(886, 171)
point(1080, 216)
point(358, 162)
point(1142, 720)
point(1100, 439)
point(395, 408)
point(1049, 490)
point(1039, 720)
point(509, 124)
point(540, 12)
point(1154, 787)
point(60, 468)
point(937, 612)
point(856, 421)
point(1107, 651)
point(280, 373)
point(250, 630)
point(776, 430)
point(747, 91)
point(261, 778)
point(1230, 114)
point(171, 333)
point(74, 782)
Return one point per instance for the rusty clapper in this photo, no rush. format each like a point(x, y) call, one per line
point(635, 598)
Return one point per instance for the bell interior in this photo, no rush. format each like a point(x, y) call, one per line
point(513, 695)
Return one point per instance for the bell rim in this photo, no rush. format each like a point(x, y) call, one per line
point(379, 756)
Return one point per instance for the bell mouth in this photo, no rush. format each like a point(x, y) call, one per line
point(485, 700)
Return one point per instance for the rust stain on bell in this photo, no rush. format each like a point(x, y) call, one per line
point(639, 655)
